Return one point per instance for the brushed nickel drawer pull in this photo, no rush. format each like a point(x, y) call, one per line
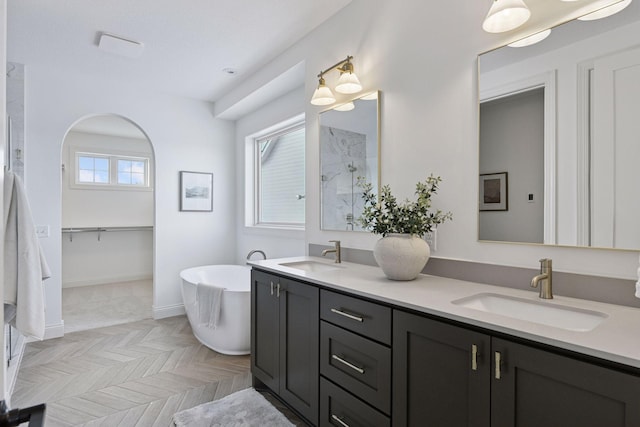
point(498, 363)
point(474, 357)
point(348, 315)
point(351, 365)
point(337, 418)
point(278, 290)
point(271, 288)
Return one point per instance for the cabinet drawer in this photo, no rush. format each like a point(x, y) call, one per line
point(359, 365)
point(362, 317)
point(339, 408)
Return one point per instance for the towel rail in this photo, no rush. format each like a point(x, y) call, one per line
point(72, 230)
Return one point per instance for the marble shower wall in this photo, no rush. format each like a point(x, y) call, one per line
point(343, 157)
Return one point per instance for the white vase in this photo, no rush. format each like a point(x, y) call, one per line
point(401, 256)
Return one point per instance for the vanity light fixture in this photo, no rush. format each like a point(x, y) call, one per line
point(506, 15)
point(348, 83)
point(345, 107)
point(532, 39)
point(605, 11)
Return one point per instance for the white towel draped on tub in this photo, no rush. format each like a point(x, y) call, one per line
point(208, 300)
point(24, 265)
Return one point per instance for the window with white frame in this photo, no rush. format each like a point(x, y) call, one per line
point(279, 159)
point(111, 170)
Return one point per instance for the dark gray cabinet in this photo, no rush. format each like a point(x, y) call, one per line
point(440, 373)
point(533, 387)
point(338, 359)
point(450, 375)
point(285, 340)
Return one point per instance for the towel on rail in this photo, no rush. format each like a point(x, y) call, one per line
point(208, 299)
point(24, 264)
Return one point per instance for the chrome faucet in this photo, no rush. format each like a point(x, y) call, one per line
point(256, 251)
point(336, 250)
point(545, 278)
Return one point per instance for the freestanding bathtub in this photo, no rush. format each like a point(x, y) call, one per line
point(232, 334)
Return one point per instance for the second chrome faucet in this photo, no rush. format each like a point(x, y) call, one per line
point(544, 279)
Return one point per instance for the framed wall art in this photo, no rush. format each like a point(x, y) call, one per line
point(196, 191)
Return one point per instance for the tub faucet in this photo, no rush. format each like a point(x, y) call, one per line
point(336, 250)
point(545, 278)
point(256, 251)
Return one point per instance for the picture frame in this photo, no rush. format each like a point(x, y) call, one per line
point(196, 191)
point(494, 192)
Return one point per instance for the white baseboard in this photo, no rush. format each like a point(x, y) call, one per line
point(54, 331)
point(106, 280)
point(168, 311)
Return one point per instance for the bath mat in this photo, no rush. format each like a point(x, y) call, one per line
point(244, 408)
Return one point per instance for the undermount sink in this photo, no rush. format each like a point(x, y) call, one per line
point(545, 313)
point(311, 266)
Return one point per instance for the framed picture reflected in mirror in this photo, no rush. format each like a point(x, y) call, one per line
point(494, 192)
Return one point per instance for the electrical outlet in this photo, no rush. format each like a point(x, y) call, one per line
point(42, 231)
point(431, 239)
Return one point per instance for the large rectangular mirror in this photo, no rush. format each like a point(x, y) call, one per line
point(559, 125)
point(349, 149)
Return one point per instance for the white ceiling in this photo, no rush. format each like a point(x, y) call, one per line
point(187, 43)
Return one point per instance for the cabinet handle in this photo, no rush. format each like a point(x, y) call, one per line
point(271, 288)
point(278, 290)
point(351, 365)
point(474, 357)
point(348, 315)
point(498, 363)
point(339, 420)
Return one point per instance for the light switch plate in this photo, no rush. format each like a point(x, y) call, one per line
point(42, 231)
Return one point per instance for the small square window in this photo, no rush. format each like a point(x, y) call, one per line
point(131, 172)
point(93, 169)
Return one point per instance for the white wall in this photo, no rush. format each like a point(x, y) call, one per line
point(184, 136)
point(276, 243)
point(425, 64)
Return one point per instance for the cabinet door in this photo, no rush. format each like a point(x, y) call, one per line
point(441, 374)
point(299, 347)
point(532, 387)
point(265, 339)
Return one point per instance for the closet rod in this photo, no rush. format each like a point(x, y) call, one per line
point(72, 230)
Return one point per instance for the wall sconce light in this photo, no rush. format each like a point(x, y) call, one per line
point(605, 11)
point(348, 83)
point(506, 15)
point(532, 39)
point(345, 107)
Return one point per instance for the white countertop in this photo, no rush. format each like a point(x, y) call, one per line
point(616, 339)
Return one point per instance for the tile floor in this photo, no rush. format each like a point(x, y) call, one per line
point(116, 366)
point(89, 307)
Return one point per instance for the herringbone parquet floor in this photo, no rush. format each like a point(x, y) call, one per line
point(135, 374)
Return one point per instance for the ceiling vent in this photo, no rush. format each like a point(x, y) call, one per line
point(120, 46)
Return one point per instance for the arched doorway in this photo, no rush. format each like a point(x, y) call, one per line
point(107, 223)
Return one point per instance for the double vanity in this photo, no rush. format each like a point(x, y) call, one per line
point(344, 346)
